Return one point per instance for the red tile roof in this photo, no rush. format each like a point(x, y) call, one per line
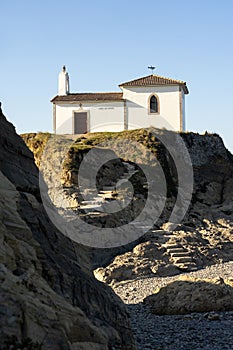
point(153, 80)
point(89, 96)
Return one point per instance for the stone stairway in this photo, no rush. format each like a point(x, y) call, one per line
point(107, 193)
point(180, 256)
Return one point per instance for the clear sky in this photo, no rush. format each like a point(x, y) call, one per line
point(104, 43)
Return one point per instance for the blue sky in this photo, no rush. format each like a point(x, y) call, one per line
point(104, 43)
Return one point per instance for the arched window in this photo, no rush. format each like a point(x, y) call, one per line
point(154, 104)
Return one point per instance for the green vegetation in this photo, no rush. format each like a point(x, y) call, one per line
point(123, 143)
point(143, 136)
point(140, 146)
point(36, 142)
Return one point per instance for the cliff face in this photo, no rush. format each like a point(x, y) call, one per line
point(213, 179)
point(49, 298)
point(203, 237)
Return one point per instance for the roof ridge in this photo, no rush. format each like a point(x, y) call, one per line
point(147, 76)
point(178, 80)
point(154, 79)
point(154, 75)
point(90, 96)
point(95, 92)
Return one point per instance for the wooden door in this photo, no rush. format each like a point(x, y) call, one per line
point(80, 122)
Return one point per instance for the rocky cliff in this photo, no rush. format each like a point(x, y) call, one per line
point(49, 298)
point(203, 237)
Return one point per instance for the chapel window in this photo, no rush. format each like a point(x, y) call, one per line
point(153, 104)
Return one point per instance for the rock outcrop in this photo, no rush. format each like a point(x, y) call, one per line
point(204, 236)
point(192, 295)
point(165, 253)
point(49, 298)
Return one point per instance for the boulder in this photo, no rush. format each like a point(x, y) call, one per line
point(192, 295)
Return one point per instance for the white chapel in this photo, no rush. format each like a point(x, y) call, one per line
point(144, 102)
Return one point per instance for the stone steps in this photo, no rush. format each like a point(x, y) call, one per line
point(93, 201)
point(93, 214)
point(176, 250)
point(182, 260)
point(170, 246)
point(179, 254)
point(105, 194)
point(90, 207)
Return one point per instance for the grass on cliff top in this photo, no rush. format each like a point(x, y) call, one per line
point(122, 143)
point(143, 136)
point(36, 142)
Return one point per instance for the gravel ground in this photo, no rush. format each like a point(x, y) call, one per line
point(212, 331)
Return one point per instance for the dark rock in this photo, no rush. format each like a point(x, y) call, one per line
point(47, 292)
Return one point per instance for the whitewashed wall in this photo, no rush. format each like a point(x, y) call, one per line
point(137, 107)
point(109, 116)
point(183, 112)
point(103, 116)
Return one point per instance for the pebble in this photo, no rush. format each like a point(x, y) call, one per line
point(197, 331)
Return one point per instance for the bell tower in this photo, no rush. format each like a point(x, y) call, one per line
point(63, 82)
